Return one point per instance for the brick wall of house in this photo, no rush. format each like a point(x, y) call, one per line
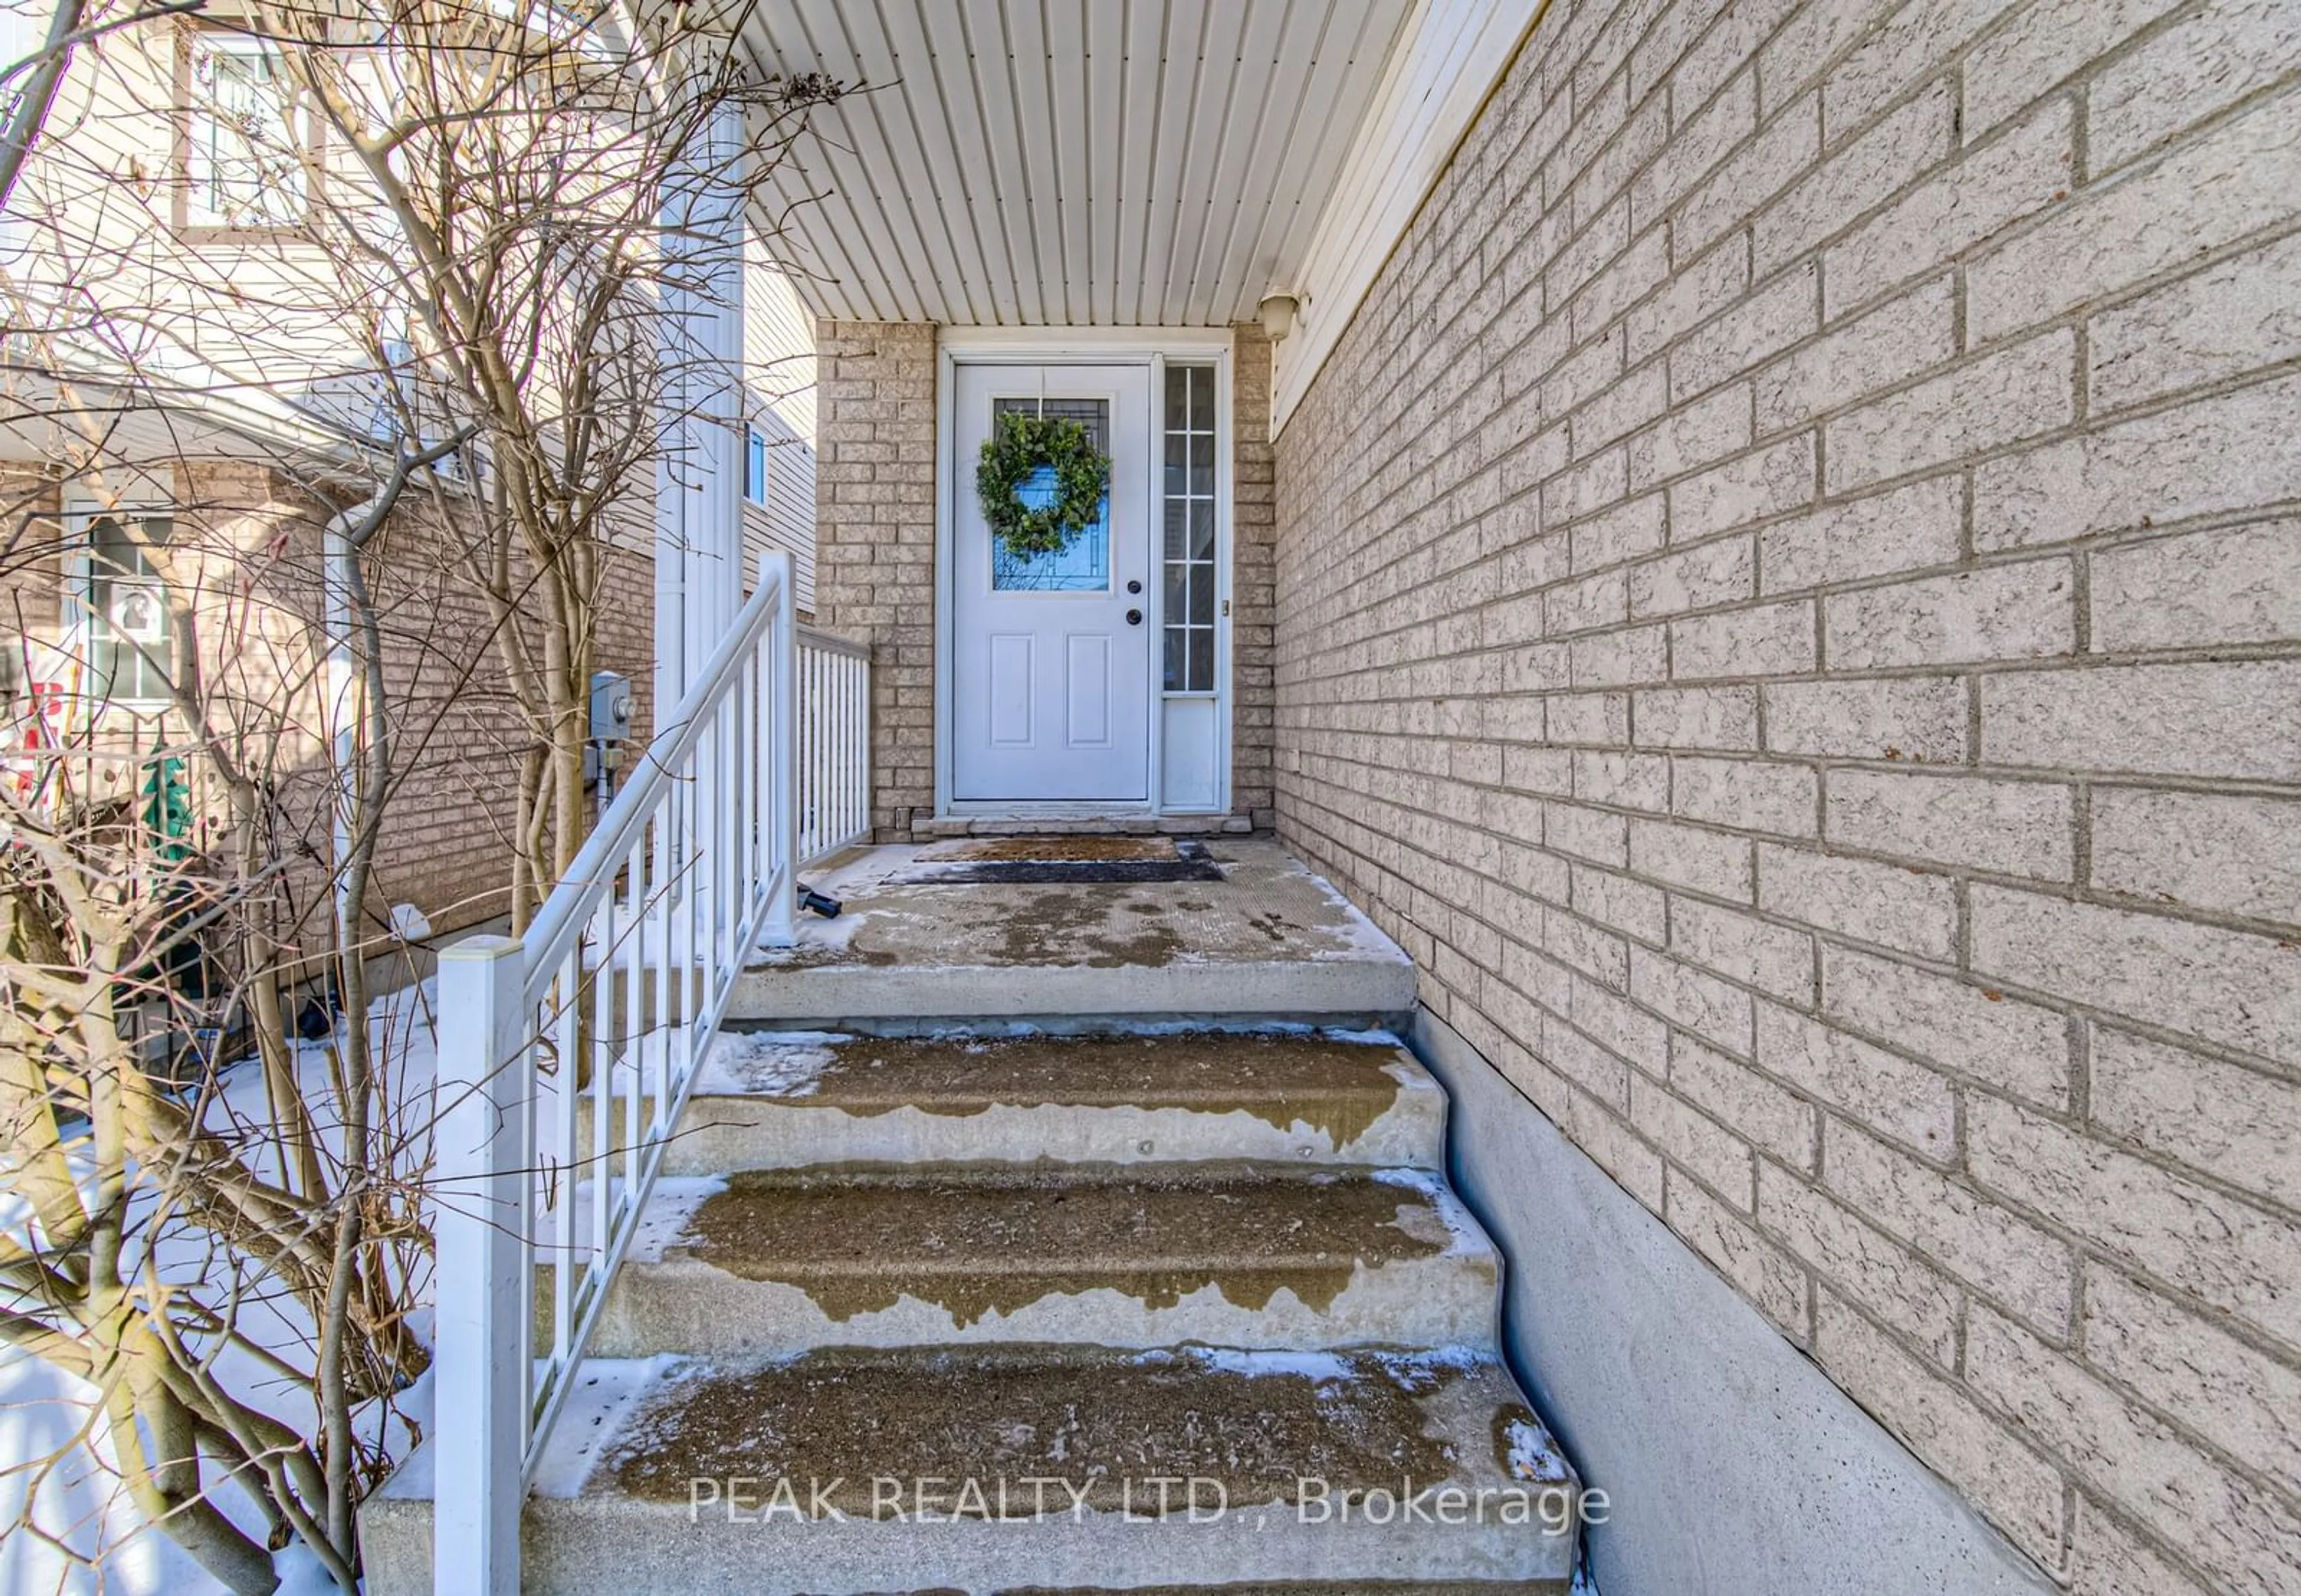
point(246, 556)
point(874, 531)
point(1254, 571)
point(446, 838)
point(876, 552)
point(1789, 608)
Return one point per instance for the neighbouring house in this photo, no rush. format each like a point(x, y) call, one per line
point(214, 398)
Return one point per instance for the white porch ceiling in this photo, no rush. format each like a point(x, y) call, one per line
point(1049, 163)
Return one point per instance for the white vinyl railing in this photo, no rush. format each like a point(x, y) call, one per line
point(834, 743)
point(567, 1054)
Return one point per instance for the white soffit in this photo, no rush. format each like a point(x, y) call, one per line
point(1449, 56)
point(1052, 162)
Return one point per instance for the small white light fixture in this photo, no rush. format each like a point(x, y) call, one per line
point(1278, 310)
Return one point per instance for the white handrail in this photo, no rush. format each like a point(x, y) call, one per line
point(676, 738)
point(834, 744)
point(567, 1054)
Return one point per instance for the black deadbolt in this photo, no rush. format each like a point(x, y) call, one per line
point(1134, 586)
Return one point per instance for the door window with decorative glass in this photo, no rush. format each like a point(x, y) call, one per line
point(242, 169)
point(1084, 564)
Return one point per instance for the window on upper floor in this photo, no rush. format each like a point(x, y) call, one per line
point(754, 466)
point(124, 632)
point(243, 167)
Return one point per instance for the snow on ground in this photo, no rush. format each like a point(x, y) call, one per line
point(47, 1414)
point(784, 1064)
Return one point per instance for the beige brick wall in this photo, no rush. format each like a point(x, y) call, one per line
point(874, 532)
point(876, 552)
point(1254, 571)
point(1789, 607)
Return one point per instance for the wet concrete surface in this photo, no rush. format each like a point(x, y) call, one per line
point(996, 1239)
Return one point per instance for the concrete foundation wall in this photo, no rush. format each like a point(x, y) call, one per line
point(1732, 1465)
point(1789, 607)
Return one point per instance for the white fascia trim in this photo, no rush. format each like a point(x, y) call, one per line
point(1096, 343)
point(1450, 55)
point(251, 412)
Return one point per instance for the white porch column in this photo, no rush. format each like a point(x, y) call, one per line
point(698, 569)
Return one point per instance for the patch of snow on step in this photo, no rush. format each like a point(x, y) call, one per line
point(1363, 938)
point(1531, 1456)
point(1325, 1367)
point(781, 1064)
point(663, 1223)
point(1465, 1236)
point(603, 1395)
point(1368, 1039)
point(1424, 1181)
point(1410, 1369)
point(1406, 1367)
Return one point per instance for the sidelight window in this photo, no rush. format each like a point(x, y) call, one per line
point(1190, 530)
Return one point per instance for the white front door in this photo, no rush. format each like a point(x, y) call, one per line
point(1051, 655)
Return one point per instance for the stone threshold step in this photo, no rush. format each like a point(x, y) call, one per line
point(771, 1101)
point(1012, 1469)
point(1136, 1256)
point(1092, 825)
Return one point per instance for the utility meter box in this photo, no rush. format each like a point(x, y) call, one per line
point(611, 706)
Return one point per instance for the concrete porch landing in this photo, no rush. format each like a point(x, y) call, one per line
point(1268, 939)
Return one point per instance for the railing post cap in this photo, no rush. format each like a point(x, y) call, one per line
point(479, 949)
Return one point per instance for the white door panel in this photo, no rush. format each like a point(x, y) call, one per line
point(1050, 697)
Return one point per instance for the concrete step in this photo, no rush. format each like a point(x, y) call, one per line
point(778, 1102)
point(852, 1471)
point(1268, 939)
point(1140, 1256)
point(1359, 990)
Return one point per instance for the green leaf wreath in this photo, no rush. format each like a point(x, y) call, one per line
point(1020, 445)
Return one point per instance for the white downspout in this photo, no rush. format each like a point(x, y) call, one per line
point(337, 553)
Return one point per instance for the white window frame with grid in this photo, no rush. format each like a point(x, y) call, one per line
point(228, 109)
point(1183, 447)
point(82, 512)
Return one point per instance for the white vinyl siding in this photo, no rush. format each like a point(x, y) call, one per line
point(779, 379)
point(786, 519)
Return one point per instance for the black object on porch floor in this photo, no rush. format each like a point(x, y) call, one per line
point(1047, 861)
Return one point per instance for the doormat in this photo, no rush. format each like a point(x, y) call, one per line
point(1054, 861)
